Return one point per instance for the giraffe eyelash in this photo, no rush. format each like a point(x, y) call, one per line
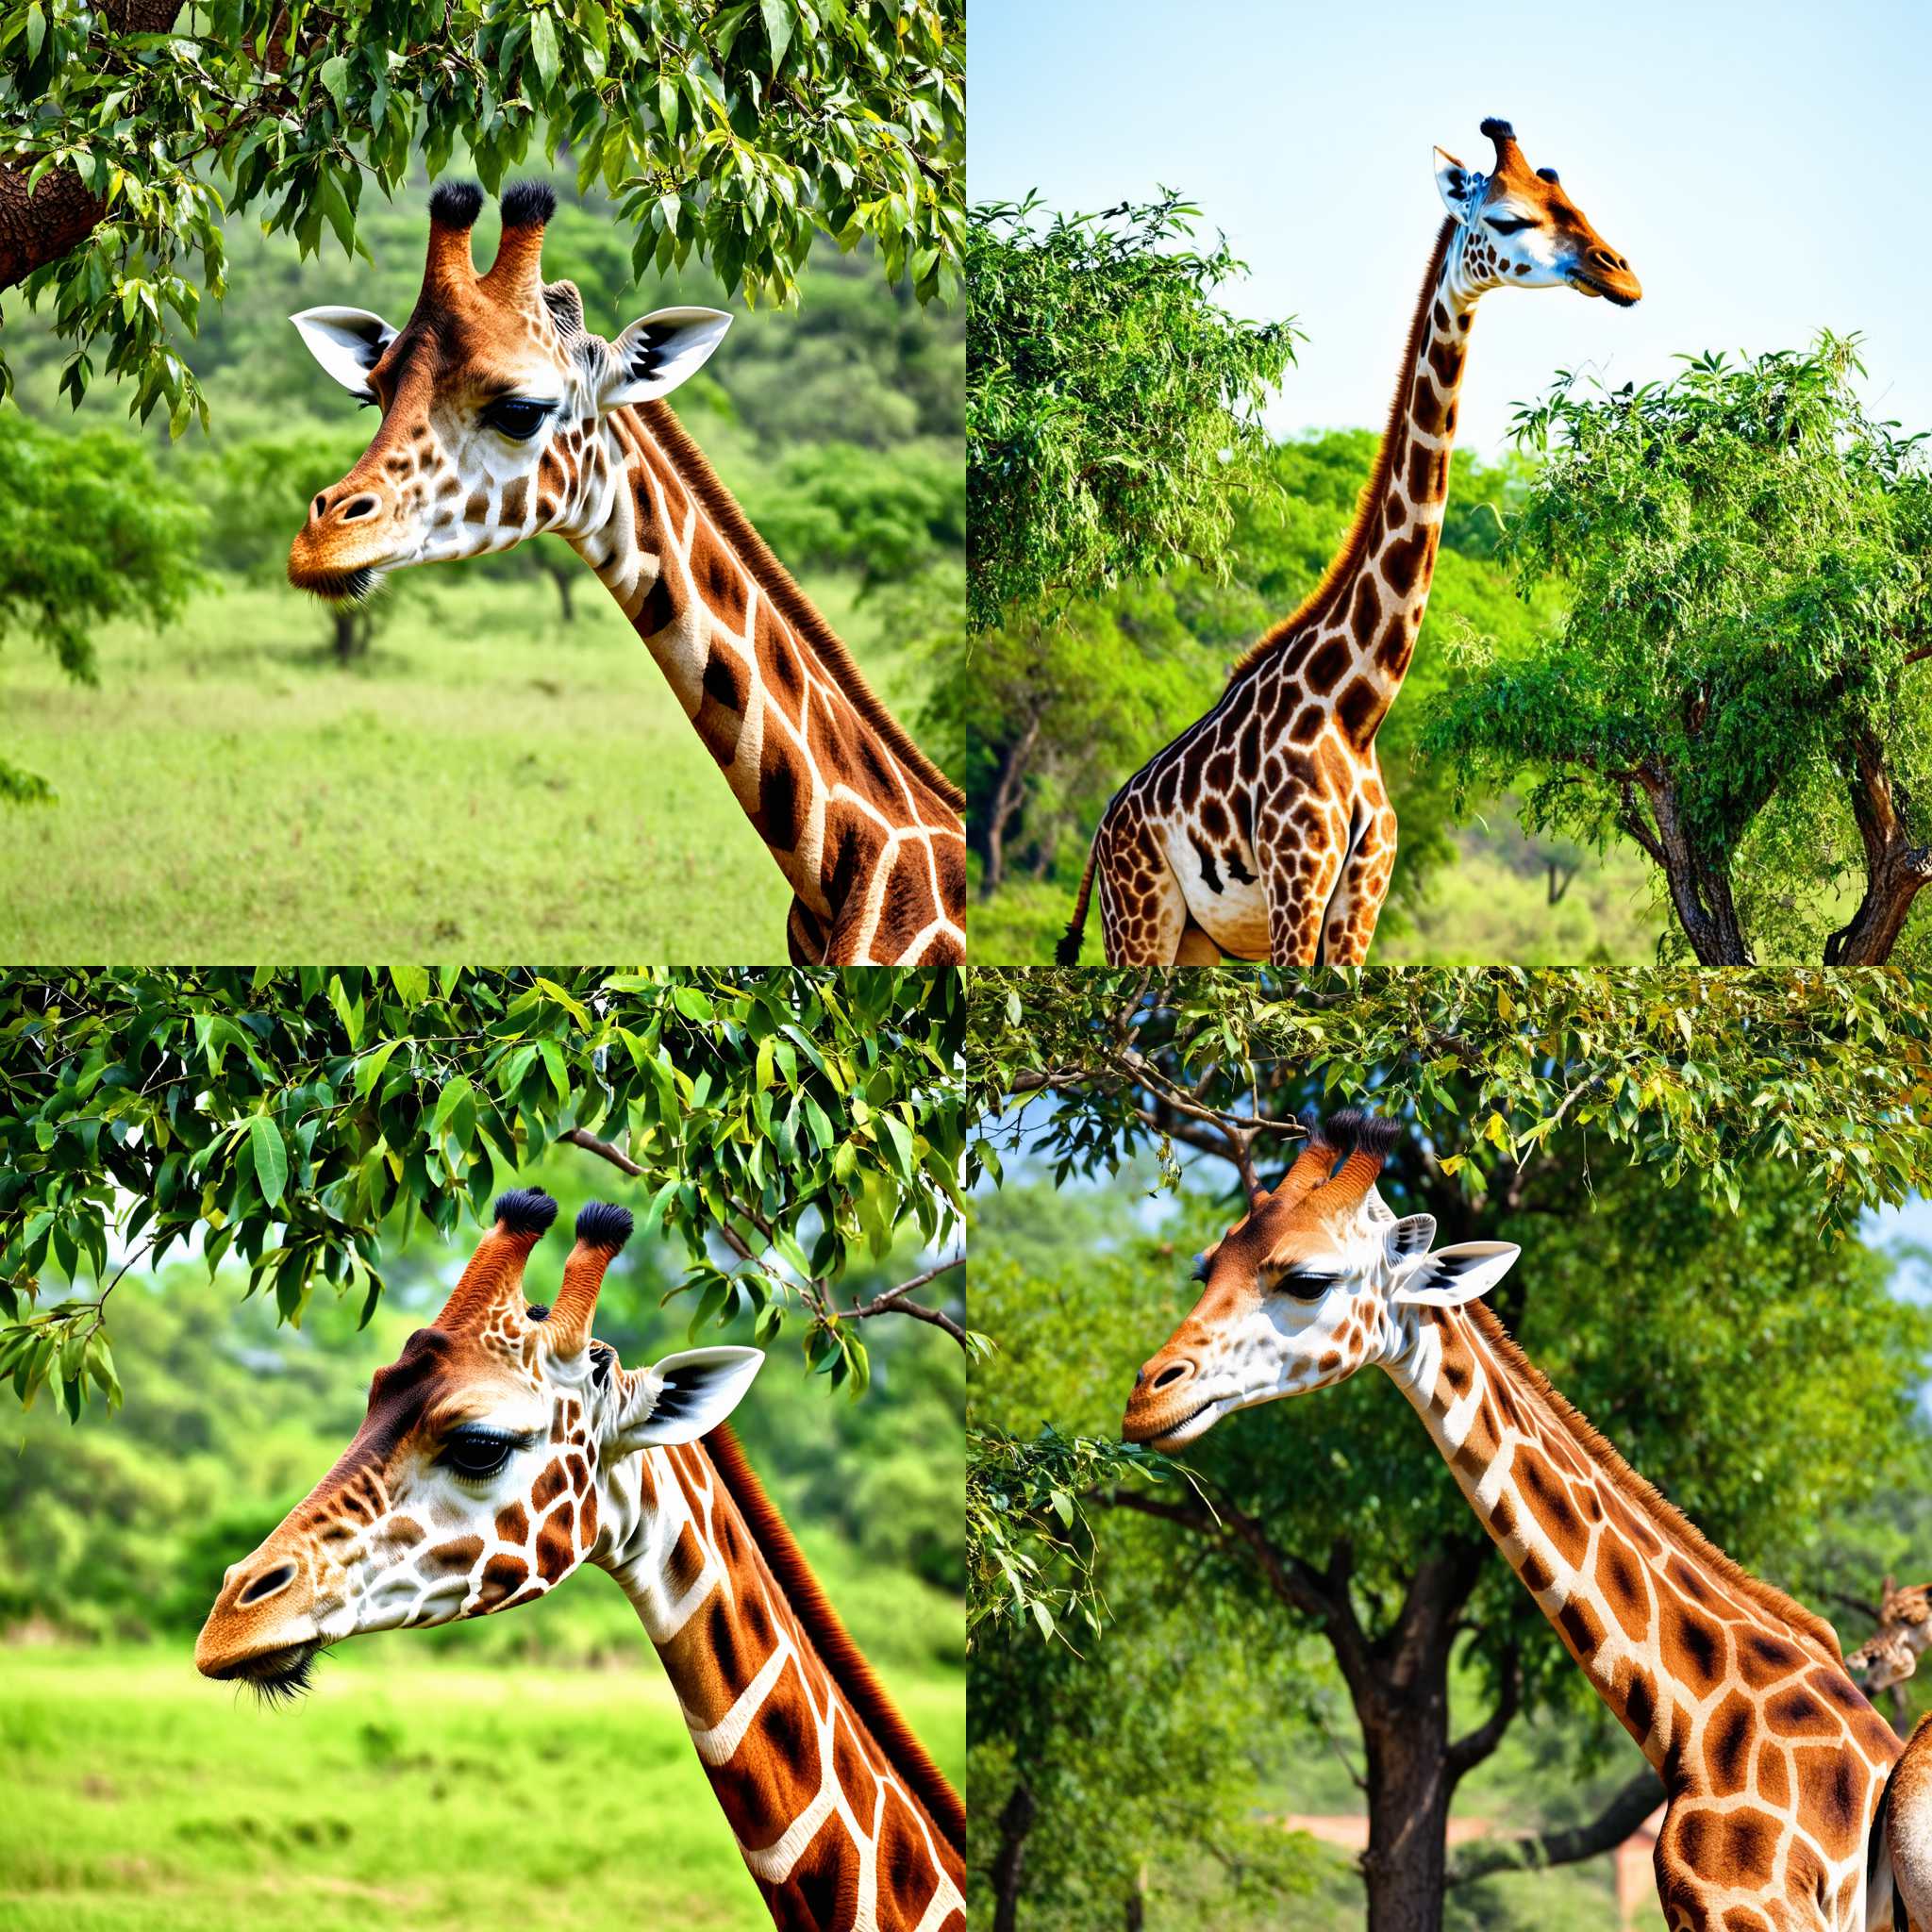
point(490, 1448)
point(1508, 224)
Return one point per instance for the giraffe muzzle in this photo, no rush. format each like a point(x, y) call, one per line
point(1167, 1406)
point(262, 1629)
point(341, 552)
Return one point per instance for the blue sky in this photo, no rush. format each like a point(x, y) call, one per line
point(1765, 169)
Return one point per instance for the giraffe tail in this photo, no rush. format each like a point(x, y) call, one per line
point(1068, 952)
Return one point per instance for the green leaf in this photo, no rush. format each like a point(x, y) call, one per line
point(335, 78)
point(544, 47)
point(777, 18)
point(271, 1157)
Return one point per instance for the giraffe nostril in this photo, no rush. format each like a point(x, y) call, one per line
point(357, 508)
point(268, 1583)
point(1174, 1371)
point(321, 504)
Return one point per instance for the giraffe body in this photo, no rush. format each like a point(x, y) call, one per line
point(1264, 831)
point(505, 1449)
point(504, 418)
point(1772, 1761)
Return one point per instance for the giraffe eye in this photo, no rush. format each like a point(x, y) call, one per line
point(516, 417)
point(1510, 224)
point(1304, 1284)
point(478, 1453)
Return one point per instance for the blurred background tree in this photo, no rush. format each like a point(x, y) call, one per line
point(88, 531)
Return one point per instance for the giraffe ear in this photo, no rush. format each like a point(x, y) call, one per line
point(1461, 188)
point(1451, 1276)
point(652, 356)
point(348, 343)
point(685, 1395)
point(1412, 1235)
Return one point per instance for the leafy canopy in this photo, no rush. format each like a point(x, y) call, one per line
point(1828, 1074)
point(1744, 557)
point(1112, 405)
point(783, 1125)
point(732, 132)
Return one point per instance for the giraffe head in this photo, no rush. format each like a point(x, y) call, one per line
point(490, 1466)
point(1306, 1289)
point(491, 395)
point(1520, 231)
point(1891, 1652)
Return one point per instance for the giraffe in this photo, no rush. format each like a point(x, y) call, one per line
point(503, 1449)
point(1890, 1654)
point(1772, 1763)
point(504, 417)
point(1264, 831)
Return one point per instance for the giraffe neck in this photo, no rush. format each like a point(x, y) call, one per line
point(1660, 1619)
point(839, 793)
point(1356, 634)
point(838, 1815)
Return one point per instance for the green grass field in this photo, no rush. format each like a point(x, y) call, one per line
point(488, 783)
point(411, 1788)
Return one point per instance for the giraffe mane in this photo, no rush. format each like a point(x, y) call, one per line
point(843, 1657)
point(1368, 504)
point(775, 581)
point(1678, 1527)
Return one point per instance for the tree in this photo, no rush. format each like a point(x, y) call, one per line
point(1686, 1136)
point(1112, 407)
point(782, 1124)
point(1734, 688)
point(89, 531)
point(734, 132)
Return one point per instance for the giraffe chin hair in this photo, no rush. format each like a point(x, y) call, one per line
point(341, 587)
point(277, 1677)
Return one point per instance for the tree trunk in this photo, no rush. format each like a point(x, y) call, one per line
point(1699, 879)
point(351, 638)
point(1136, 1913)
point(1008, 787)
point(1008, 1863)
point(1407, 1737)
point(1896, 870)
point(565, 581)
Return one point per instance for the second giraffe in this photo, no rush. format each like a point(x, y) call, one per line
point(1264, 831)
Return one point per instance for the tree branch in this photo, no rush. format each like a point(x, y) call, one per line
point(1631, 1805)
point(891, 1302)
point(1467, 1750)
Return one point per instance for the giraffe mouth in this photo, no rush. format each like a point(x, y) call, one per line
point(275, 1677)
point(1587, 284)
point(1183, 1430)
point(339, 585)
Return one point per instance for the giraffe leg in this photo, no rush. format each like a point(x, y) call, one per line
point(1349, 923)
